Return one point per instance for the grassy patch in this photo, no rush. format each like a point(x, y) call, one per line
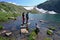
point(32, 36)
point(1, 27)
point(47, 39)
point(7, 38)
point(4, 16)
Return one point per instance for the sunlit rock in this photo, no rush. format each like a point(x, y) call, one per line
point(24, 31)
point(12, 18)
point(4, 31)
point(8, 33)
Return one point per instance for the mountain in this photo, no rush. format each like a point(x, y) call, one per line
point(10, 11)
point(50, 5)
point(11, 8)
point(34, 10)
point(31, 9)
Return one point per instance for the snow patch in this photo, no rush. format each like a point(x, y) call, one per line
point(28, 8)
point(45, 11)
point(41, 10)
point(51, 12)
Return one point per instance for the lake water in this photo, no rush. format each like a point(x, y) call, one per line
point(47, 17)
point(50, 20)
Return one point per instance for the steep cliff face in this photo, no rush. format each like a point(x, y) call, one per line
point(50, 5)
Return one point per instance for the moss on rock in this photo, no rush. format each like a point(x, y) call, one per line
point(49, 32)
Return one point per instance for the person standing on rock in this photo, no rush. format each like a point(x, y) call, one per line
point(37, 29)
point(27, 17)
point(23, 17)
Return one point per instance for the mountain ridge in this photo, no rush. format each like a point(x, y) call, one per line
point(11, 8)
point(50, 5)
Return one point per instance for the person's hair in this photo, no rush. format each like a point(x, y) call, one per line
point(35, 23)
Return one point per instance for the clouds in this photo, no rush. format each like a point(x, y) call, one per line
point(25, 2)
point(14, 3)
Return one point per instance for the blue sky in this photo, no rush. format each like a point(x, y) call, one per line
point(26, 2)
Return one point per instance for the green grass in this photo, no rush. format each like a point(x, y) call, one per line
point(32, 36)
point(47, 39)
point(1, 27)
point(10, 10)
point(9, 7)
point(3, 38)
point(6, 38)
point(4, 16)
